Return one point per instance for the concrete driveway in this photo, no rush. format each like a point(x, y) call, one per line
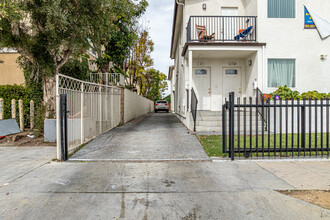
point(166, 190)
point(158, 136)
point(33, 187)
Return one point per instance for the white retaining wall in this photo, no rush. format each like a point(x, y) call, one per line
point(136, 106)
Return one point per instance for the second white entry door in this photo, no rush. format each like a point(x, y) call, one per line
point(202, 80)
point(232, 81)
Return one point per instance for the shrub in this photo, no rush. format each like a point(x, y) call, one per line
point(9, 92)
point(285, 92)
point(314, 95)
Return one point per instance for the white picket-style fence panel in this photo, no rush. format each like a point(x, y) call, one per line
point(92, 109)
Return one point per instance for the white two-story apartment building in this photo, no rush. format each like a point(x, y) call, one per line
point(222, 46)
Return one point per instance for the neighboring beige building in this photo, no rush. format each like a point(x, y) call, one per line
point(10, 73)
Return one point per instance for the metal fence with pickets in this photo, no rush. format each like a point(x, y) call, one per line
point(114, 79)
point(92, 109)
point(291, 128)
point(222, 29)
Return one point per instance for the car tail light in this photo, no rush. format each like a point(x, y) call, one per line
point(165, 104)
point(157, 104)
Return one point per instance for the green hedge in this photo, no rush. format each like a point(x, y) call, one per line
point(285, 92)
point(9, 92)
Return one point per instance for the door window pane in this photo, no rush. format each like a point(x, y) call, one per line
point(281, 72)
point(231, 72)
point(281, 8)
point(201, 72)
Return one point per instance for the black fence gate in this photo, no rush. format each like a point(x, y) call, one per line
point(193, 107)
point(64, 127)
point(277, 128)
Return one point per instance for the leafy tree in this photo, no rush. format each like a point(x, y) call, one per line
point(48, 33)
point(155, 85)
point(140, 61)
point(77, 68)
point(124, 35)
point(168, 98)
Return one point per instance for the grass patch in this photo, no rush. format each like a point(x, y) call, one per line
point(213, 144)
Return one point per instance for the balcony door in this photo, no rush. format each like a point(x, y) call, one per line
point(202, 80)
point(229, 27)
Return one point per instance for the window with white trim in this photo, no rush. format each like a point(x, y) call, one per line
point(281, 8)
point(281, 72)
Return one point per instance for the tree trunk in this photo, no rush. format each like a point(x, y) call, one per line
point(49, 88)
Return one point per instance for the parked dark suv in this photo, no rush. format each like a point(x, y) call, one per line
point(161, 105)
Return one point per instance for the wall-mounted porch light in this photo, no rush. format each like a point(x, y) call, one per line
point(250, 62)
point(204, 6)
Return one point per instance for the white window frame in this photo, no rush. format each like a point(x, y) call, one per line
point(280, 58)
point(295, 11)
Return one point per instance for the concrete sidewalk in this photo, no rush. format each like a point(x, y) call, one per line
point(17, 161)
point(302, 175)
point(167, 190)
point(159, 136)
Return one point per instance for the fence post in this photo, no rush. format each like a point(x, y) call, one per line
point(21, 114)
point(13, 108)
point(65, 123)
point(31, 114)
point(58, 119)
point(100, 107)
point(122, 105)
point(107, 79)
point(231, 125)
point(1, 109)
point(224, 132)
point(63, 127)
point(82, 131)
point(303, 125)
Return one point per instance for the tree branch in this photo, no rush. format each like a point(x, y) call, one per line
point(65, 58)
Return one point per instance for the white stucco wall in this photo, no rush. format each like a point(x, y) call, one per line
point(284, 38)
point(287, 38)
point(136, 106)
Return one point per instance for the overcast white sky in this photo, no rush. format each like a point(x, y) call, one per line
point(159, 18)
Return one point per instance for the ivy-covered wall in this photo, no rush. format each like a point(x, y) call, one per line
point(9, 92)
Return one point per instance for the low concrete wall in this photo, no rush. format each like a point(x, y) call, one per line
point(136, 106)
point(74, 129)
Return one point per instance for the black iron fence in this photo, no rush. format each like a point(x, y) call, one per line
point(263, 114)
point(295, 128)
point(64, 126)
point(193, 107)
point(222, 28)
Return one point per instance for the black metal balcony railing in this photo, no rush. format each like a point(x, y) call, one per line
point(222, 28)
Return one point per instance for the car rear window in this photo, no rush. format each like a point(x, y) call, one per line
point(161, 101)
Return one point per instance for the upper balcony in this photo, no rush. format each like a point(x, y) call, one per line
point(222, 29)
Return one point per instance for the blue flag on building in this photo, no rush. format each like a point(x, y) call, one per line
point(309, 23)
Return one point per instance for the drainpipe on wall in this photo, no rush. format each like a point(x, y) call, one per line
point(179, 3)
point(263, 69)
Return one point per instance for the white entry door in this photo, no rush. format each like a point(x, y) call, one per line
point(201, 77)
point(232, 81)
point(230, 23)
